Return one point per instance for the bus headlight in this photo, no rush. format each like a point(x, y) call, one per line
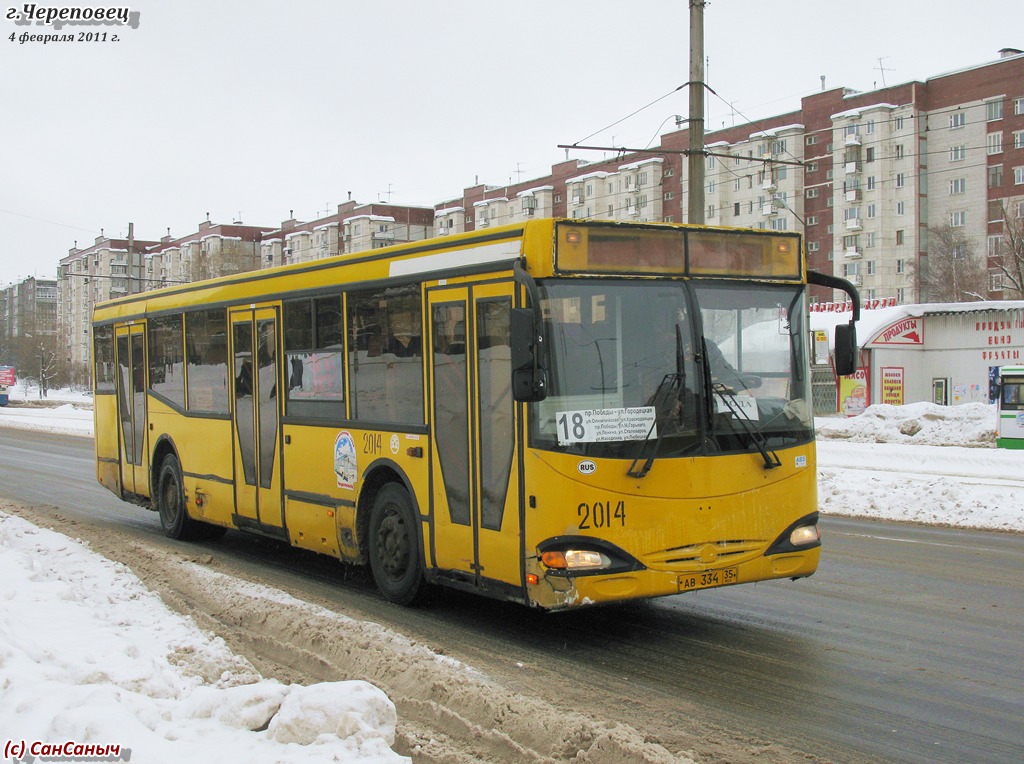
point(584, 556)
point(798, 537)
point(804, 535)
point(575, 559)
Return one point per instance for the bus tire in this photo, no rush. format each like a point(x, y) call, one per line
point(394, 551)
point(170, 504)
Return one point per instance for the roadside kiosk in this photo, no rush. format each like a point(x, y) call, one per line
point(1010, 428)
point(7, 381)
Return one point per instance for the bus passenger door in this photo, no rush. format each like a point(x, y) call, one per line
point(130, 348)
point(256, 416)
point(476, 525)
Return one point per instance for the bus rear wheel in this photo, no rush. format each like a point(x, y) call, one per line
point(394, 546)
point(170, 503)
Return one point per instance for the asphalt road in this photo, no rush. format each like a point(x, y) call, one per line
point(904, 647)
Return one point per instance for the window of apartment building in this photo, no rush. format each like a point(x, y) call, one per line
point(558, 198)
point(901, 265)
point(994, 110)
point(1018, 106)
point(641, 201)
point(670, 195)
point(897, 124)
point(958, 218)
point(871, 182)
point(995, 143)
point(897, 151)
point(1018, 176)
point(812, 193)
point(869, 239)
point(711, 187)
point(735, 209)
point(995, 281)
point(711, 211)
point(811, 167)
point(995, 211)
point(642, 181)
point(830, 202)
point(167, 358)
point(1018, 139)
point(900, 238)
point(901, 179)
point(851, 213)
point(901, 295)
point(958, 153)
point(669, 172)
point(871, 267)
point(872, 210)
point(995, 176)
point(781, 173)
point(957, 120)
point(711, 163)
point(901, 208)
point(670, 218)
point(736, 184)
point(829, 174)
point(871, 126)
point(813, 246)
point(958, 186)
point(869, 294)
point(812, 220)
point(851, 242)
point(851, 269)
point(869, 154)
point(811, 140)
point(992, 245)
point(780, 224)
point(829, 229)
point(611, 210)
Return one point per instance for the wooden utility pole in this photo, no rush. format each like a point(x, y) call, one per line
point(695, 185)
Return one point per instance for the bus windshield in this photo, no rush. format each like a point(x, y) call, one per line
point(709, 369)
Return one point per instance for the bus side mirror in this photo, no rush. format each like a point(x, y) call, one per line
point(846, 349)
point(529, 381)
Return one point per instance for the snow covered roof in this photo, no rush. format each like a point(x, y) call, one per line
point(635, 165)
point(771, 132)
point(372, 218)
point(599, 174)
point(873, 322)
point(485, 202)
point(448, 211)
point(532, 191)
point(861, 109)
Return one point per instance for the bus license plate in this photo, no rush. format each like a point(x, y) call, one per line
point(709, 578)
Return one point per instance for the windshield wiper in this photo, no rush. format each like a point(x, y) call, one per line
point(728, 396)
point(664, 402)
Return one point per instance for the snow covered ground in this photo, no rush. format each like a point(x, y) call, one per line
point(88, 655)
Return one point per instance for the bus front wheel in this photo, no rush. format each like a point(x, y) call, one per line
point(394, 546)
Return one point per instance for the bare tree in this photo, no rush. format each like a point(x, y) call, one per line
point(1008, 260)
point(954, 272)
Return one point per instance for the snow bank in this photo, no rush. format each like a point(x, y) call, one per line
point(88, 654)
point(922, 424)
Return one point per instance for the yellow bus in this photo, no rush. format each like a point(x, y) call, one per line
point(557, 413)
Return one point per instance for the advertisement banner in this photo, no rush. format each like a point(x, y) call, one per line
point(853, 393)
point(892, 385)
point(7, 377)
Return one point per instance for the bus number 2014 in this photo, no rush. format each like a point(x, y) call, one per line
point(601, 514)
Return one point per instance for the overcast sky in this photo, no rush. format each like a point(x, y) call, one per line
point(258, 108)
